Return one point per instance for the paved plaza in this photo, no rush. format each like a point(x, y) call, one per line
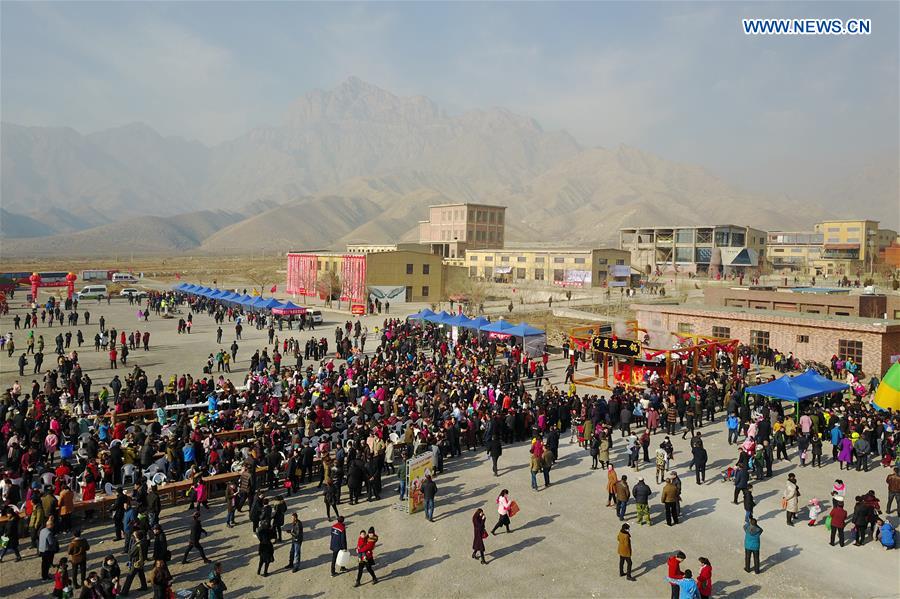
point(562, 544)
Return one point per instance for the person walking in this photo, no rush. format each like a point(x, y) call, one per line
point(10, 530)
point(429, 490)
point(547, 459)
point(534, 467)
point(197, 532)
point(338, 542)
point(265, 549)
point(752, 533)
point(161, 580)
point(330, 496)
point(495, 450)
point(480, 534)
point(365, 548)
point(700, 459)
point(838, 517)
point(296, 533)
point(623, 494)
point(137, 554)
point(704, 578)
point(611, 479)
point(624, 539)
point(741, 480)
point(641, 493)
point(791, 499)
point(78, 549)
point(503, 505)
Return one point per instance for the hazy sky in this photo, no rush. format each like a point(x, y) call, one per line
point(678, 79)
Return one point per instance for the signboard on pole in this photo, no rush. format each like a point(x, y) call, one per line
point(358, 309)
point(416, 469)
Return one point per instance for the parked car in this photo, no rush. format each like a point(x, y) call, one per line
point(124, 277)
point(133, 292)
point(315, 316)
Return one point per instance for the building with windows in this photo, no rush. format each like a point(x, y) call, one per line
point(452, 229)
point(793, 251)
point(706, 249)
point(397, 276)
point(872, 342)
point(833, 302)
point(600, 267)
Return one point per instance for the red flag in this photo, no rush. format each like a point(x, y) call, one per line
point(273, 289)
point(178, 275)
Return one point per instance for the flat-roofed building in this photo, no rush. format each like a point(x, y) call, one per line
point(793, 251)
point(452, 229)
point(700, 249)
point(849, 247)
point(871, 342)
point(812, 300)
point(397, 276)
point(566, 267)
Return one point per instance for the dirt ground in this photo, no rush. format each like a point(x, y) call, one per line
point(562, 544)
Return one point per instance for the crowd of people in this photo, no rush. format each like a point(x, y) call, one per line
point(353, 419)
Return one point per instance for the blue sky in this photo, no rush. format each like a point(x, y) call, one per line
point(677, 79)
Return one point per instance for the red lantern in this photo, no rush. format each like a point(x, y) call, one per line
point(70, 284)
point(35, 279)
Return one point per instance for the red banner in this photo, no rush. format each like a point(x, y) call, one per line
point(353, 278)
point(301, 274)
point(358, 309)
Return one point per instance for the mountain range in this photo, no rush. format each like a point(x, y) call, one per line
point(354, 164)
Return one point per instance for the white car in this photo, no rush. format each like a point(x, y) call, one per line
point(133, 292)
point(315, 316)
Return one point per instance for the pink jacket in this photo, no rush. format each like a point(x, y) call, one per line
point(503, 503)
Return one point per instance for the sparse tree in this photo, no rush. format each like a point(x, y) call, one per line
point(328, 285)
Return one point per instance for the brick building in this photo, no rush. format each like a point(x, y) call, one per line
point(872, 342)
point(838, 302)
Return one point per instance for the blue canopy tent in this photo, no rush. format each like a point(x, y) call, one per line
point(439, 318)
point(231, 297)
point(191, 288)
point(534, 340)
point(501, 327)
point(476, 323)
point(258, 303)
point(421, 315)
point(796, 389)
point(218, 294)
point(814, 380)
point(271, 303)
point(458, 320)
point(246, 299)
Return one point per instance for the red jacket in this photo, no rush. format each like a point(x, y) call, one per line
point(674, 567)
point(365, 547)
point(704, 580)
point(838, 517)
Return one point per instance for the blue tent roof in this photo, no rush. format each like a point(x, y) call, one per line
point(258, 302)
point(231, 296)
point(289, 305)
point(440, 317)
point(205, 291)
point(785, 388)
point(814, 380)
point(271, 303)
point(246, 299)
point(191, 288)
point(501, 326)
point(458, 320)
point(476, 323)
point(218, 294)
point(420, 315)
point(524, 330)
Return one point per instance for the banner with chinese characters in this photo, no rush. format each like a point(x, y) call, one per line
point(301, 274)
point(353, 278)
point(614, 345)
